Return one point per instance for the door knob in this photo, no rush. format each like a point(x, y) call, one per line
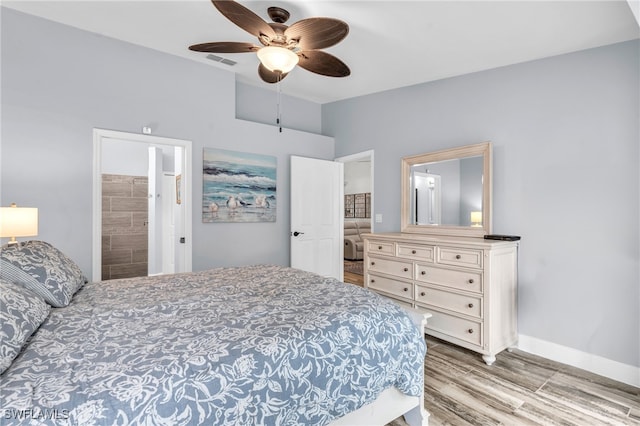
point(296, 233)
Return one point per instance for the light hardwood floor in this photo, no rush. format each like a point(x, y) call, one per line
point(351, 278)
point(350, 274)
point(519, 389)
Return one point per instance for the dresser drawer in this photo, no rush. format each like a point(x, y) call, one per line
point(391, 267)
point(463, 280)
point(390, 286)
point(400, 302)
point(468, 305)
point(381, 247)
point(459, 328)
point(460, 257)
point(424, 253)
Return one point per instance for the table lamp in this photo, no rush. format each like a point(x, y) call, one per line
point(18, 222)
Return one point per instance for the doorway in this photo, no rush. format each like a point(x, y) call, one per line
point(159, 171)
point(357, 214)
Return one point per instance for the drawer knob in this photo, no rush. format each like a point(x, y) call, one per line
point(423, 294)
point(458, 256)
point(423, 272)
point(405, 289)
point(373, 281)
point(470, 331)
point(406, 269)
point(373, 263)
point(470, 280)
point(379, 247)
point(470, 305)
point(413, 252)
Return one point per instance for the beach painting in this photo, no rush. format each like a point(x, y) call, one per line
point(238, 186)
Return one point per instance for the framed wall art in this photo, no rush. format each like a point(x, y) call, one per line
point(349, 210)
point(357, 205)
point(179, 189)
point(238, 186)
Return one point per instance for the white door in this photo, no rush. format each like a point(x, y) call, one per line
point(155, 222)
point(317, 200)
point(168, 224)
point(427, 190)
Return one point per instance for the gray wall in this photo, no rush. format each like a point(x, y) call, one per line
point(565, 133)
point(58, 83)
point(259, 104)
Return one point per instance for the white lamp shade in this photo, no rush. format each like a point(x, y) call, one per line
point(476, 217)
point(18, 221)
point(278, 59)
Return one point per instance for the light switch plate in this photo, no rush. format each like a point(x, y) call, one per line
point(378, 217)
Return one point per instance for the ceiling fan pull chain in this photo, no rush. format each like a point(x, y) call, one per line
point(279, 99)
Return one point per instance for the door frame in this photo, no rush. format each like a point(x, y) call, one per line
point(361, 156)
point(98, 136)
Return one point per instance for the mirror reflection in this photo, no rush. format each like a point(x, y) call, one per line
point(447, 192)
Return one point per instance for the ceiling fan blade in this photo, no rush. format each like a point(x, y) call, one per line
point(323, 63)
point(224, 47)
point(269, 76)
point(317, 33)
point(244, 18)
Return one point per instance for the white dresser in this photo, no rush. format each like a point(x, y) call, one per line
point(468, 285)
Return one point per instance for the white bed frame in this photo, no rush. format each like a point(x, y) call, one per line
point(392, 403)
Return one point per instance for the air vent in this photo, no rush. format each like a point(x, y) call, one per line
point(221, 60)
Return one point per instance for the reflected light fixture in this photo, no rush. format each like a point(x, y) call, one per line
point(278, 59)
point(476, 219)
point(18, 222)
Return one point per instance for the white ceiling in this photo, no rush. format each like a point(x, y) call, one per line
point(391, 44)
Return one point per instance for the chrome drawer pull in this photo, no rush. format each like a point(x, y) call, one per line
point(470, 331)
point(413, 252)
point(470, 305)
point(471, 281)
point(423, 272)
point(405, 289)
point(458, 256)
point(406, 269)
point(423, 294)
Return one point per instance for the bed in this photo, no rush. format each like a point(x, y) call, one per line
point(263, 345)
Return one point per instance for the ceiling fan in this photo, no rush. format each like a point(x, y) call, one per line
point(283, 47)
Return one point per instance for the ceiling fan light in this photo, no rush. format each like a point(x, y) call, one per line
point(277, 59)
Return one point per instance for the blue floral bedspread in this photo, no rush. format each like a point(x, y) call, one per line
point(258, 345)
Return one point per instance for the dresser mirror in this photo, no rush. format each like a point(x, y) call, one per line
point(448, 192)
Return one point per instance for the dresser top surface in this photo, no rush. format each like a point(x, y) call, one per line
point(443, 239)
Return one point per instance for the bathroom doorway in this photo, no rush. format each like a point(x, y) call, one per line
point(141, 206)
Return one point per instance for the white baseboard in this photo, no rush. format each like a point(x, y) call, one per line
point(596, 364)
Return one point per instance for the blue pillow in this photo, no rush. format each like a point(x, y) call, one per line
point(42, 269)
point(21, 313)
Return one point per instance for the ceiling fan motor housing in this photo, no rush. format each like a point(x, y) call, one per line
point(278, 14)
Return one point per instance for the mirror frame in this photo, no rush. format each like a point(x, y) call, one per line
point(482, 149)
